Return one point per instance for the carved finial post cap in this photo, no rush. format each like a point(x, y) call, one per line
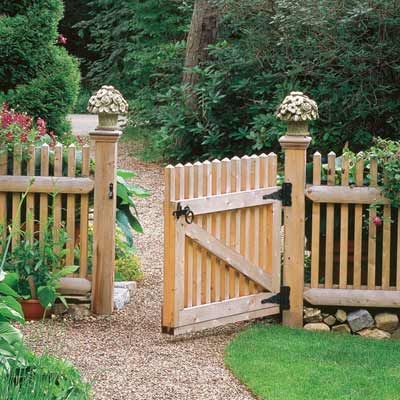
point(297, 110)
point(108, 103)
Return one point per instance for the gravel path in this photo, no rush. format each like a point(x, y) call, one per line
point(125, 355)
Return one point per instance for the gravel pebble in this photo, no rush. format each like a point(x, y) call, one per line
point(125, 355)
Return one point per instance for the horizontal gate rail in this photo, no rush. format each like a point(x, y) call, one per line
point(345, 194)
point(227, 202)
point(46, 184)
point(207, 312)
point(353, 297)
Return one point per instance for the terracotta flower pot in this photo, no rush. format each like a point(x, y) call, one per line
point(33, 310)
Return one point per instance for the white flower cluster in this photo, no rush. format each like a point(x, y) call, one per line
point(108, 100)
point(297, 107)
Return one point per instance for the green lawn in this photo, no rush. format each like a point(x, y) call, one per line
point(278, 363)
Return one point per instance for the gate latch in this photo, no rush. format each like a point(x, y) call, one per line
point(284, 194)
point(184, 212)
point(282, 298)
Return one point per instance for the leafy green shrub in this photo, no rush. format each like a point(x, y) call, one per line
point(343, 54)
point(45, 378)
point(144, 54)
point(128, 268)
point(36, 75)
point(127, 262)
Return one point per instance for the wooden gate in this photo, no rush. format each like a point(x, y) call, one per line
point(222, 243)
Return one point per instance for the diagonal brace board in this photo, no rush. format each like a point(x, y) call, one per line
point(229, 256)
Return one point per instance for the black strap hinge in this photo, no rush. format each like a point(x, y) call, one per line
point(282, 298)
point(284, 195)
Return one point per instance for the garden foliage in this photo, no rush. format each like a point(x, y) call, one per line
point(345, 55)
point(37, 75)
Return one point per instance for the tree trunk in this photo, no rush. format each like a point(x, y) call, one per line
point(203, 32)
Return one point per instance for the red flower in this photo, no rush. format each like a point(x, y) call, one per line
point(41, 125)
point(9, 136)
point(377, 221)
point(24, 137)
point(62, 39)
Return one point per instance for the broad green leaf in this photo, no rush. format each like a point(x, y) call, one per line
point(123, 194)
point(7, 291)
point(68, 270)
point(47, 296)
point(139, 191)
point(14, 304)
point(126, 174)
point(9, 333)
point(9, 314)
point(123, 223)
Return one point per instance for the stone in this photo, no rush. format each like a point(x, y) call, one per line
point(341, 316)
point(317, 326)
point(75, 286)
point(330, 320)
point(359, 320)
point(374, 333)
point(312, 315)
point(122, 297)
point(342, 328)
point(79, 311)
point(387, 322)
point(130, 285)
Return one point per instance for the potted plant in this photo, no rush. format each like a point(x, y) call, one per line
point(38, 266)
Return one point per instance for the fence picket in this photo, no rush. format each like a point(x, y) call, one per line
point(208, 191)
point(69, 259)
point(57, 211)
point(344, 228)
point(30, 198)
point(245, 227)
point(44, 198)
point(316, 223)
point(372, 229)
point(198, 252)
point(263, 226)
point(236, 184)
point(84, 216)
point(330, 215)
point(225, 227)
point(168, 317)
point(216, 231)
point(16, 197)
point(189, 251)
point(358, 216)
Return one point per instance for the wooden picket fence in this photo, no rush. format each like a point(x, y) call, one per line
point(350, 253)
point(55, 190)
point(223, 262)
point(213, 263)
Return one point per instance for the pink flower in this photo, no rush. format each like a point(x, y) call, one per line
point(62, 39)
point(377, 221)
point(41, 125)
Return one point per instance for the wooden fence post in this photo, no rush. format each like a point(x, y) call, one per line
point(297, 109)
point(108, 103)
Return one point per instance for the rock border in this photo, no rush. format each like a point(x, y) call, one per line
point(383, 325)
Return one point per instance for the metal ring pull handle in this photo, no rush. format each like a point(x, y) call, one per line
point(189, 215)
point(184, 212)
